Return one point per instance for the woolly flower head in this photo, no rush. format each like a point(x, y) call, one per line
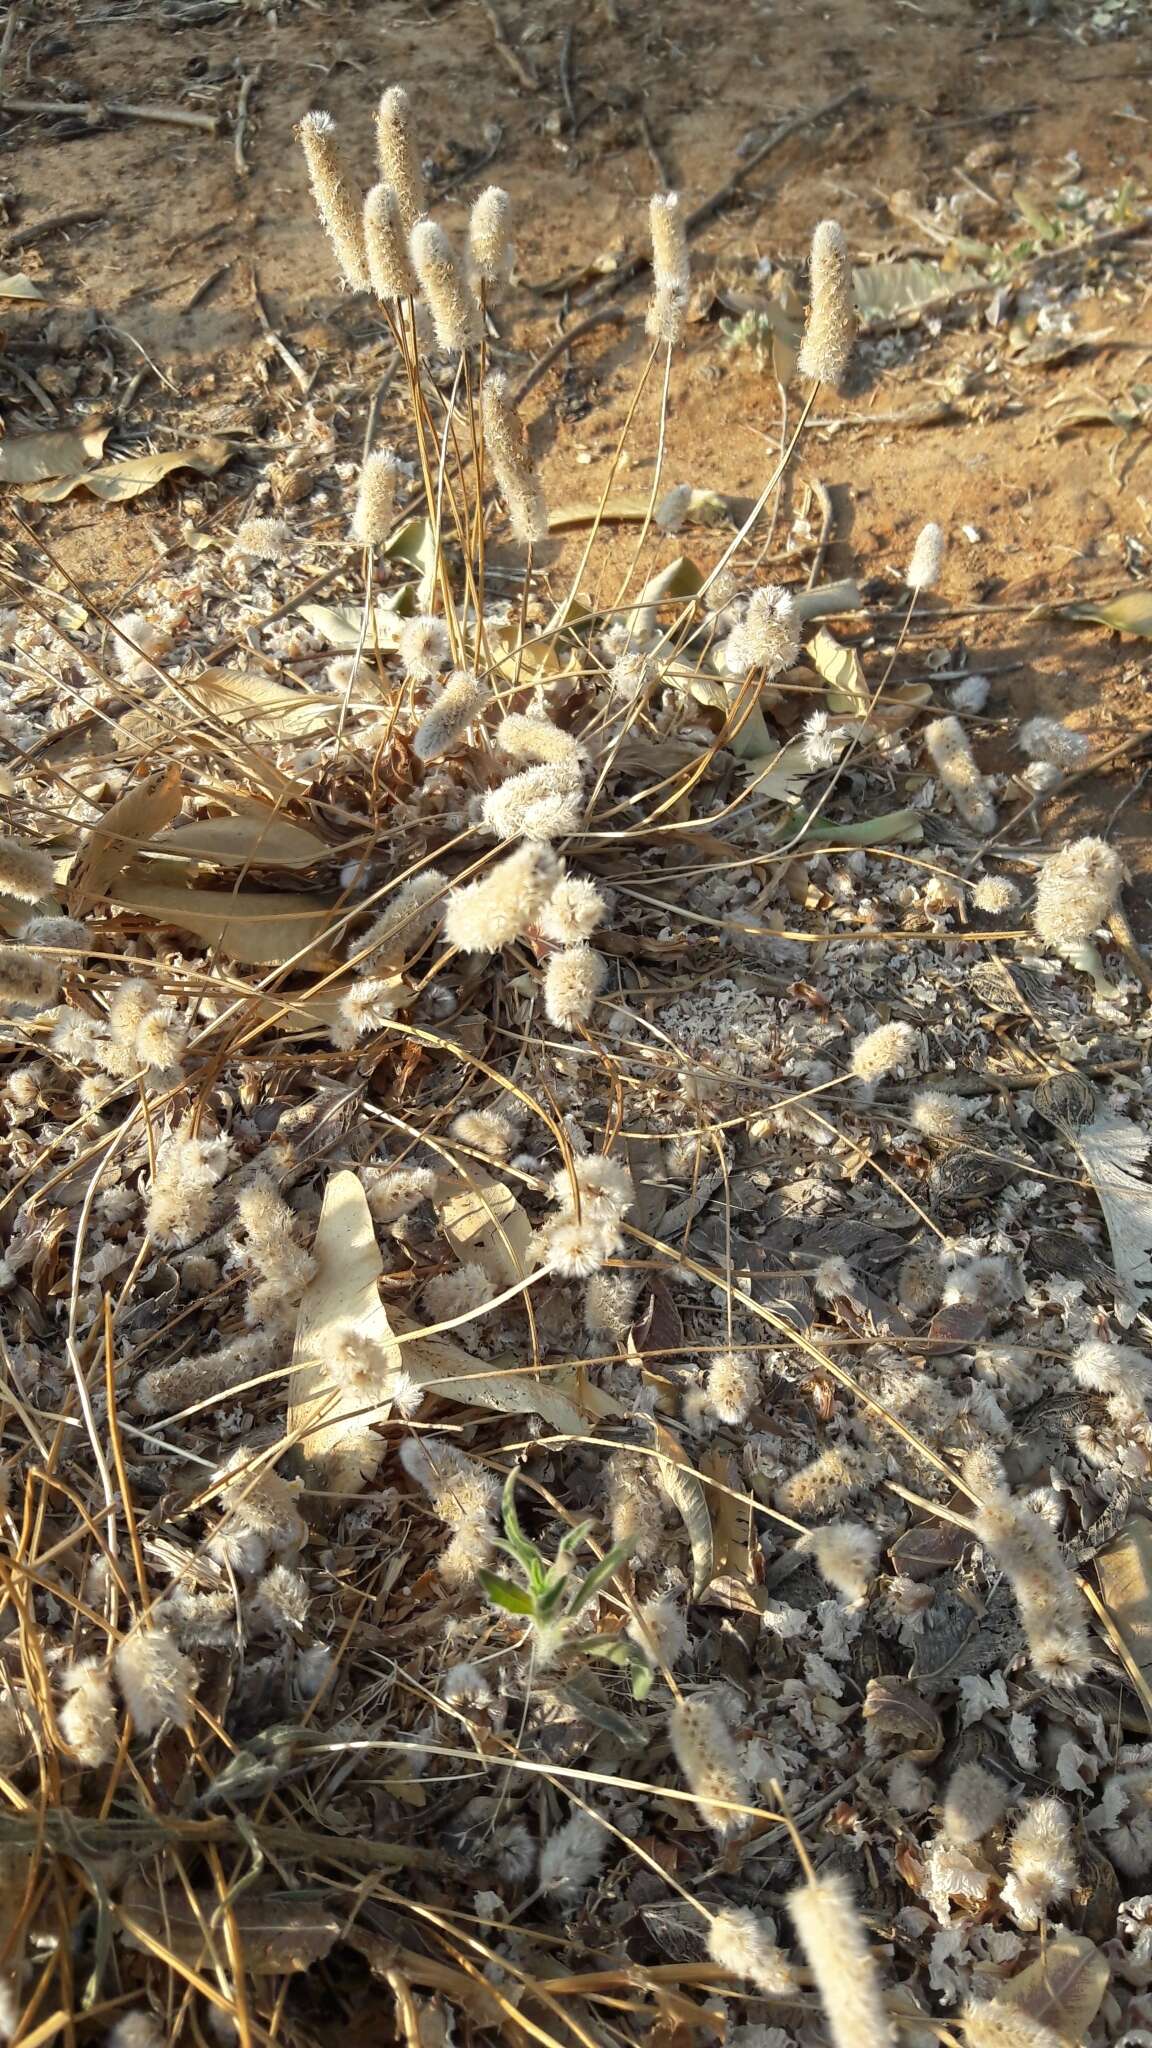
point(455, 313)
point(995, 895)
point(136, 2029)
point(711, 1764)
point(573, 911)
point(31, 983)
point(733, 1386)
point(358, 1364)
point(407, 915)
point(448, 1295)
point(1052, 1609)
point(490, 243)
point(537, 739)
point(491, 912)
point(256, 1497)
point(822, 747)
point(975, 1800)
point(1046, 739)
point(1077, 889)
point(951, 756)
point(575, 1247)
point(1043, 1859)
point(571, 1858)
point(659, 1628)
point(884, 1051)
point(846, 1553)
point(632, 677)
point(447, 720)
point(265, 540)
point(541, 803)
point(603, 1186)
point(997, 2023)
point(572, 981)
point(1118, 1371)
point(923, 571)
point(397, 153)
point(971, 695)
point(156, 1679)
point(459, 1490)
point(87, 1719)
point(376, 498)
point(386, 247)
point(366, 1005)
point(512, 462)
point(673, 508)
point(491, 1131)
point(938, 1115)
point(670, 269)
point(826, 350)
point(836, 1945)
point(335, 195)
point(824, 1483)
point(397, 1193)
point(768, 636)
point(183, 1193)
point(424, 647)
point(743, 1941)
point(25, 872)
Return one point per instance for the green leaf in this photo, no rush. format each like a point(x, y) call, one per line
point(625, 1655)
point(600, 1574)
point(502, 1593)
point(573, 1538)
point(1129, 612)
point(515, 1539)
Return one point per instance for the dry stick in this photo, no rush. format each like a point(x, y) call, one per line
point(543, 364)
point(717, 200)
point(176, 117)
point(521, 70)
point(76, 217)
point(279, 344)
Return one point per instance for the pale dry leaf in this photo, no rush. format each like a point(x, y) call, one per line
point(116, 482)
point(1112, 1150)
point(57, 451)
point(1130, 611)
point(261, 840)
point(333, 1451)
point(1064, 1988)
point(1124, 1572)
point(485, 1223)
point(564, 1398)
point(130, 824)
point(680, 1482)
point(19, 287)
point(279, 1935)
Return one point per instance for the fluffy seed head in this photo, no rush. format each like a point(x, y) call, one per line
point(996, 895)
point(1051, 1606)
point(1043, 1859)
point(335, 195)
point(1118, 1371)
point(604, 1186)
point(490, 913)
point(660, 1628)
point(973, 1803)
point(366, 1005)
point(572, 1857)
point(937, 1114)
point(883, 1051)
point(826, 350)
point(56, 934)
point(733, 1386)
point(424, 647)
point(386, 247)
point(256, 1497)
point(670, 269)
point(635, 1509)
point(156, 1679)
point(455, 314)
point(396, 1194)
point(923, 572)
point(576, 1247)
point(490, 243)
point(537, 739)
point(846, 1553)
point(572, 981)
point(994, 2023)
point(1046, 739)
point(448, 1295)
point(25, 872)
point(768, 636)
point(87, 1719)
point(610, 1305)
point(33, 983)
point(183, 1193)
point(460, 1490)
point(135, 2029)
point(376, 498)
point(487, 1130)
point(170, 1387)
point(947, 744)
point(460, 701)
point(836, 1945)
point(710, 1763)
point(512, 461)
point(398, 156)
point(573, 911)
point(1077, 888)
point(540, 803)
point(825, 1483)
point(742, 1941)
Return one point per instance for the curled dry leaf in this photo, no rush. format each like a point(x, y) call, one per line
point(334, 1451)
point(902, 1720)
point(19, 287)
point(116, 482)
point(130, 824)
point(260, 930)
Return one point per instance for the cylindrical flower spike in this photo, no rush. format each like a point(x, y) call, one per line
point(826, 350)
point(455, 314)
point(335, 196)
point(386, 246)
point(399, 160)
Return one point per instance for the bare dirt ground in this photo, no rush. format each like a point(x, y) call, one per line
point(965, 118)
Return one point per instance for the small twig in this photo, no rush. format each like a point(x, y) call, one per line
point(719, 199)
point(654, 153)
point(91, 110)
point(278, 343)
point(205, 286)
point(543, 364)
point(122, 332)
point(248, 83)
point(566, 75)
point(76, 217)
point(521, 70)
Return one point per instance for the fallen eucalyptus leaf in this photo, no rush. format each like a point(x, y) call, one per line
point(279, 1934)
point(827, 600)
point(116, 482)
point(335, 1450)
point(453, 1374)
point(262, 841)
point(260, 930)
point(415, 543)
point(1112, 1150)
point(343, 625)
point(1124, 1571)
point(130, 824)
point(1064, 1988)
point(1129, 612)
point(58, 451)
point(19, 287)
point(487, 1224)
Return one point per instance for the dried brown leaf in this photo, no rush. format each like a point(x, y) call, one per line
point(333, 1452)
point(116, 482)
point(260, 930)
point(130, 824)
point(57, 451)
point(1064, 1988)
